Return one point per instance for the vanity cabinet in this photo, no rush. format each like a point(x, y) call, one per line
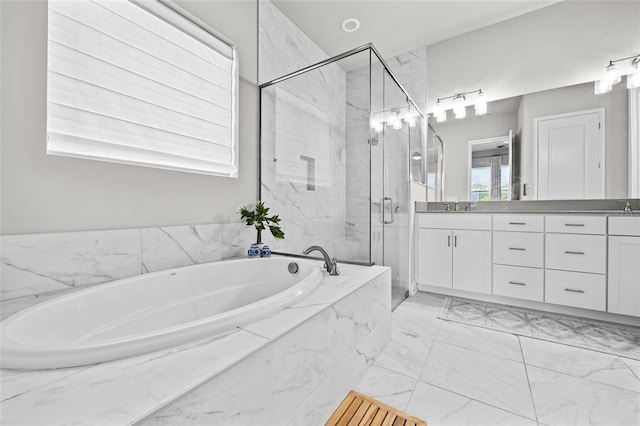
point(583, 261)
point(454, 251)
point(575, 261)
point(518, 256)
point(624, 266)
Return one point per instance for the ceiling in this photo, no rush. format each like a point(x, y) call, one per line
point(505, 48)
point(397, 26)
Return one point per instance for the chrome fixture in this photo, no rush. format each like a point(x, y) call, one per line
point(612, 75)
point(331, 264)
point(447, 207)
point(467, 208)
point(459, 107)
point(627, 205)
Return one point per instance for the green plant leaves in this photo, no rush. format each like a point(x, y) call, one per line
point(259, 218)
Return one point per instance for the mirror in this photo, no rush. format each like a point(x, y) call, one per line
point(527, 161)
point(541, 64)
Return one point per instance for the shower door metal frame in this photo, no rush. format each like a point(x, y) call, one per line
point(364, 47)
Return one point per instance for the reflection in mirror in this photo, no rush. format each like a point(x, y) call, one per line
point(520, 114)
point(490, 169)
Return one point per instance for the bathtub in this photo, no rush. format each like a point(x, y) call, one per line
point(144, 313)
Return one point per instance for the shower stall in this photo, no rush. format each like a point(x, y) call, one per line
point(341, 143)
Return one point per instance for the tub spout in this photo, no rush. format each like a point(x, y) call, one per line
point(330, 263)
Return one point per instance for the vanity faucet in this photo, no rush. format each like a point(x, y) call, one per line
point(627, 205)
point(447, 207)
point(330, 263)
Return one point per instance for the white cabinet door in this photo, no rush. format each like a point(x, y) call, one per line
point(624, 275)
point(434, 257)
point(472, 260)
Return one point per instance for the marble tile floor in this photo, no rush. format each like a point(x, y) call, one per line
point(449, 373)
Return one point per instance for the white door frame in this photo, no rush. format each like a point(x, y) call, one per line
point(508, 138)
point(601, 144)
point(634, 143)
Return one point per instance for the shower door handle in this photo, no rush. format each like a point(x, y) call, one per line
point(390, 200)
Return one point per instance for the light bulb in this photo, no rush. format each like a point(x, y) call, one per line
point(439, 109)
point(398, 124)
point(601, 86)
point(633, 79)
point(612, 76)
point(441, 117)
point(459, 109)
point(481, 104)
point(392, 120)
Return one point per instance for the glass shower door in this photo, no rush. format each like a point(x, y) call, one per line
point(395, 181)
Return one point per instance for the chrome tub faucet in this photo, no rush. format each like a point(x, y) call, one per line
point(330, 263)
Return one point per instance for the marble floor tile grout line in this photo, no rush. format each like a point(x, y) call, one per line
point(433, 343)
point(526, 372)
point(629, 367)
point(488, 404)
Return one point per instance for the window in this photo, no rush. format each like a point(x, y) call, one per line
point(135, 82)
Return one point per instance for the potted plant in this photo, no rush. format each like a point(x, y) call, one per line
point(259, 217)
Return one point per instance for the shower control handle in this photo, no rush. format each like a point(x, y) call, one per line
point(390, 200)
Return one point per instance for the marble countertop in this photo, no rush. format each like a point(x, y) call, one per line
point(127, 390)
point(585, 207)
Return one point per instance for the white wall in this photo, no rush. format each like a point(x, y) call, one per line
point(567, 43)
point(42, 193)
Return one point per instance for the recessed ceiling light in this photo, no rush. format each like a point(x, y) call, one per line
point(350, 25)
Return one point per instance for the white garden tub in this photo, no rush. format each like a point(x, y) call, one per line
point(152, 311)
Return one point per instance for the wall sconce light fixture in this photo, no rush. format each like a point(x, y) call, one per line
point(394, 118)
point(612, 76)
point(459, 107)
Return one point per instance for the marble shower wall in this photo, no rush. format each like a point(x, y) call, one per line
point(303, 170)
point(37, 266)
point(282, 47)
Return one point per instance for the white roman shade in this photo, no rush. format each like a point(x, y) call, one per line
point(138, 83)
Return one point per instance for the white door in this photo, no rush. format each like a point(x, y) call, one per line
point(434, 265)
point(472, 261)
point(571, 155)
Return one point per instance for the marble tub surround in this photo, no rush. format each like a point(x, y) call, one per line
point(477, 376)
point(349, 312)
point(36, 267)
point(536, 206)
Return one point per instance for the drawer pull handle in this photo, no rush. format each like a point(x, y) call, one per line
point(517, 223)
point(448, 240)
point(574, 224)
point(516, 283)
point(517, 248)
point(573, 252)
point(573, 290)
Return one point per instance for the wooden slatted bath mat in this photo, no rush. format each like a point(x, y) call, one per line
point(358, 409)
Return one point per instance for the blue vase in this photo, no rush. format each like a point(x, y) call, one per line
point(254, 251)
point(265, 251)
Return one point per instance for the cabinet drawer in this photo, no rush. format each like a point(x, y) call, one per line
point(524, 223)
point(574, 224)
point(518, 248)
point(575, 289)
point(624, 226)
point(455, 221)
point(515, 281)
point(583, 253)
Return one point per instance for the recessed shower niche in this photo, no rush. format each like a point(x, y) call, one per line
point(340, 142)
